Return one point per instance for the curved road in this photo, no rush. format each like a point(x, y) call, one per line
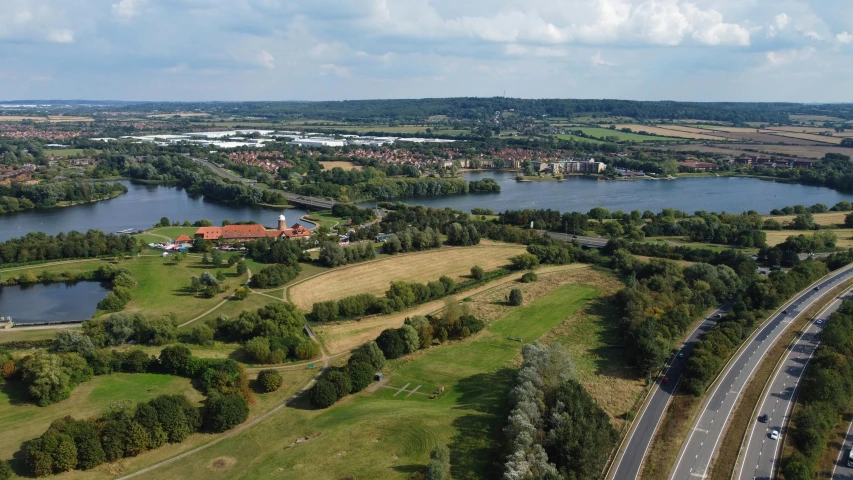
point(697, 453)
point(629, 459)
point(759, 459)
point(843, 471)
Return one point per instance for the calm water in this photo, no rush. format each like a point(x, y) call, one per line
point(140, 208)
point(729, 194)
point(53, 302)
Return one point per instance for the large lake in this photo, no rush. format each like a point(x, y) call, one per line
point(143, 205)
point(718, 194)
point(140, 208)
point(53, 302)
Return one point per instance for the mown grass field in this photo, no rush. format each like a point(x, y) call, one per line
point(376, 276)
point(666, 131)
point(24, 421)
point(380, 435)
point(64, 152)
point(823, 219)
point(775, 237)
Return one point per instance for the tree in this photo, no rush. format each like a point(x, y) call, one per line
point(222, 412)
point(515, 297)
point(599, 213)
point(323, 394)
point(360, 375)
point(803, 221)
point(5, 470)
point(529, 277)
point(340, 380)
point(391, 344)
point(525, 261)
point(439, 463)
point(241, 267)
point(201, 335)
point(477, 272)
point(177, 360)
point(258, 349)
point(178, 417)
point(241, 293)
point(216, 258)
point(70, 341)
point(410, 338)
point(269, 380)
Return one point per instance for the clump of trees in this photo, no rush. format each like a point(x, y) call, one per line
point(275, 275)
point(333, 254)
point(269, 380)
point(121, 328)
point(354, 377)
point(121, 282)
point(515, 298)
point(34, 247)
point(124, 432)
point(555, 428)
point(411, 239)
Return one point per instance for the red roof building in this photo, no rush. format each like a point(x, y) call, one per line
point(243, 233)
point(183, 239)
point(209, 233)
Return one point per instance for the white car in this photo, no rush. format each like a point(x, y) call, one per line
point(819, 321)
point(774, 435)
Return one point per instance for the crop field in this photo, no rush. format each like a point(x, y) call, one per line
point(389, 433)
point(671, 132)
point(718, 128)
point(24, 421)
point(179, 114)
point(343, 165)
point(375, 276)
point(51, 118)
point(801, 129)
point(814, 151)
point(811, 137)
point(578, 138)
point(603, 133)
point(823, 219)
point(814, 118)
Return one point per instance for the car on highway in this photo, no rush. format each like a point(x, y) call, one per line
point(785, 311)
point(665, 379)
point(774, 434)
point(817, 288)
point(680, 354)
point(763, 418)
point(819, 321)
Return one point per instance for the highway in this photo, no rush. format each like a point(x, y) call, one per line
point(759, 458)
point(589, 242)
point(629, 459)
point(842, 471)
point(697, 452)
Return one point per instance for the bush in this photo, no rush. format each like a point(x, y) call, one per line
point(391, 344)
point(515, 297)
point(323, 394)
point(477, 272)
point(325, 311)
point(306, 350)
point(340, 381)
point(525, 261)
point(201, 335)
point(241, 293)
point(5, 470)
point(529, 277)
point(176, 359)
point(222, 412)
point(269, 380)
point(258, 349)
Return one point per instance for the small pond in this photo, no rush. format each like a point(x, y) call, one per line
point(51, 302)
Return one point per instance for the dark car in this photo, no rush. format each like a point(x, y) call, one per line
point(665, 379)
point(764, 418)
point(785, 311)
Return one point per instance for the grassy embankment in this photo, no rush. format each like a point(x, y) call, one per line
point(389, 433)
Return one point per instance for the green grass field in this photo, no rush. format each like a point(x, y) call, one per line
point(603, 133)
point(380, 435)
point(579, 139)
point(64, 152)
point(23, 421)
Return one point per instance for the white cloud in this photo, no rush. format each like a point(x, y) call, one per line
point(514, 49)
point(813, 35)
point(126, 9)
point(781, 21)
point(787, 57)
point(597, 60)
point(337, 70)
point(62, 35)
point(844, 38)
point(265, 59)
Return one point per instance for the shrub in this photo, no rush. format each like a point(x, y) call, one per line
point(5, 470)
point(269, 380)
point(515, 297)
point(178, 417)
point(391, 344)
point(176, 359)
point(477, 272)
point(201, 335)
point(306, 350)
point(258, 349)
point(9, 370)
point(323, 394)
point(325, 311)
point(241, 293)
point(525, 261)
point(529, 277)
point(222, 412)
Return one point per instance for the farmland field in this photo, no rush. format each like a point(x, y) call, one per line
point(671, 132)
point(814, 118)
point(179, 114)
point(727, 129)
point(375, 276)
point(823, 219)
point(809, 136)
point(389, 435)
point(845, 236)
point(602, 133)
point(65, 152)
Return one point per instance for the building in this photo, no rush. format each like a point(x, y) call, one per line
point(244, 233)
point(318, 142)
point(698, 166)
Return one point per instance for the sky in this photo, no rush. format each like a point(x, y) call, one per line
point(199, 50)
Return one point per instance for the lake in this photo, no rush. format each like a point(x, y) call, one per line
point(51, 302)
point(718, 194)
point(140, 208)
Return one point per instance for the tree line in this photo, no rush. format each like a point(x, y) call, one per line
point(19, 197)
point(38, 246)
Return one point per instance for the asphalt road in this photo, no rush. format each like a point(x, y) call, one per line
point(629, 460)
point(760, 455)
point(694, 459)
point(590, 242)
point(841, 470)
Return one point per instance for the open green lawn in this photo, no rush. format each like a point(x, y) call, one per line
point(64, 152)
point(23, 421)
point(326, 219)
point(173, 232)
point(232, 308)
point(623, 137)
point(578, 138)
point(30, 334)
point(380, 435)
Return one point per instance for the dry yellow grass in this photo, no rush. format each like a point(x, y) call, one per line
point(801, 129)
point(376, 276)
point(669, 132)
point(823, 219)
point(51, 118)
point(730, 129)
point(807, 136)
point(179, 114)
point(343, 165)
point(845, 236)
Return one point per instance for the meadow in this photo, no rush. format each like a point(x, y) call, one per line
point(602, 133)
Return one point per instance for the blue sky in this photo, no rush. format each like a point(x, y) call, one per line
point(703, 50)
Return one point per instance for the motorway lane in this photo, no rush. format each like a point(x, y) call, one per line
point(842, 471)
point(694, 459)
point(589, 242)
point(759, 458)
point(629, 460)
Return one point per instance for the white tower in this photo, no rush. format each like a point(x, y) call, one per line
point(282, 224)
